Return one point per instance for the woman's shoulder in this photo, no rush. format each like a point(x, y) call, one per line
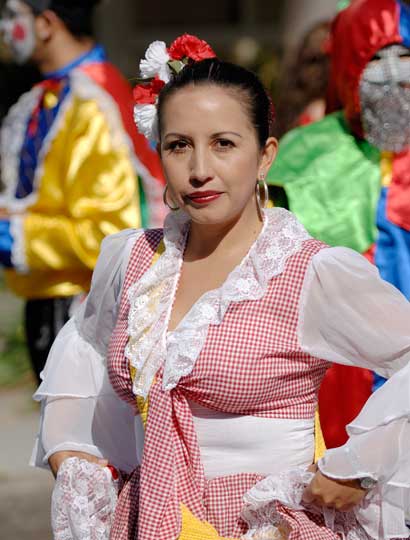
point(126, 239)
point(136, 246)
point(333, 257)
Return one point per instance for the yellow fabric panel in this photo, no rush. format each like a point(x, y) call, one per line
point(386, 168)
point(38, 284)
point(87, 191)
point(320, 445)
point(194, 529)
point(143, 404)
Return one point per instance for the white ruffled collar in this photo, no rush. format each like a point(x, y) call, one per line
point(150, 346)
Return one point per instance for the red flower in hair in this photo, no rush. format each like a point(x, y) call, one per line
point(148, 93)
point(187, 46)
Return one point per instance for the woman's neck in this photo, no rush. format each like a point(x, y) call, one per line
point(232, 237)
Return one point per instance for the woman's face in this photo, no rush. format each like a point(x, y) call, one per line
point(210, 153)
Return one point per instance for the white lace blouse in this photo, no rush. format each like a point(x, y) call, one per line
point(347, 315)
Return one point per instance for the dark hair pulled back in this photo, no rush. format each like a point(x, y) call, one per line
point(233, 77)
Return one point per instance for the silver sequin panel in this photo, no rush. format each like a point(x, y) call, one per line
point(385, 99)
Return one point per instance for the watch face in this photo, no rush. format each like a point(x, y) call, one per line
point(367, 483)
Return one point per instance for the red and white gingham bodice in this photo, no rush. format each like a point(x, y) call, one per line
point(252, 363)
point(249, 363)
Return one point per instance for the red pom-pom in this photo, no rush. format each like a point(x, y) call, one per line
point(148, 93)
point(187, 46)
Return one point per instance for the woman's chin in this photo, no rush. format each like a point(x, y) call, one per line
point(211, 216)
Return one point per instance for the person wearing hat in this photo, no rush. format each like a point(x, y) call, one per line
point(74, 167)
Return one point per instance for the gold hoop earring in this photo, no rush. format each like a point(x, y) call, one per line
point(164, 198)
point(261, 202)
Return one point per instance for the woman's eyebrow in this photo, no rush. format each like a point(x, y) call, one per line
point(214, 135)
point(220, 133)
point(173, 134)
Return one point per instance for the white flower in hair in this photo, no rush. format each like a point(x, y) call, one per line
point(146, 118)
point(156, 61)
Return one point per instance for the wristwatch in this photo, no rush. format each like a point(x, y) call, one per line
point(367, 482)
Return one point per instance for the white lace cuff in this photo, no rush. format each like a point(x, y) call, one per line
point(362, 523)
point(83, 501)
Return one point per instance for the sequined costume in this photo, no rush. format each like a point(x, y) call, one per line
point(347, 191)
point(75, 170)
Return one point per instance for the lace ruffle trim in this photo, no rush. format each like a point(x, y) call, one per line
point(83, 501)
point(265, 521)
point(149, 347)
point(11, 141)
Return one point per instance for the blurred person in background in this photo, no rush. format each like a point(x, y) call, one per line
point(73, 166)
point(302, 90)
point(302, 95)
point(347, 176)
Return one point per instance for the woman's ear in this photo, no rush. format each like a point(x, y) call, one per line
point(269, 153)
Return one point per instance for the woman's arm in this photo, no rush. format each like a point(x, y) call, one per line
point(349, 315)
point(80, 410)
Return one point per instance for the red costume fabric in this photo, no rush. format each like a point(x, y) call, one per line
point(358, 32)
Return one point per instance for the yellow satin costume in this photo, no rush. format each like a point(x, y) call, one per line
point(86, 184)
point(88, 190)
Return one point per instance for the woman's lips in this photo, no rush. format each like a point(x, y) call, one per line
point(204, 197)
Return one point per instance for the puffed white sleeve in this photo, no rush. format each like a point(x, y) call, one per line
point(79, 408)
point(349, 315)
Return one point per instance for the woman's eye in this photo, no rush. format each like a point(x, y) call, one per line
point(224, 144)
point(177, 146)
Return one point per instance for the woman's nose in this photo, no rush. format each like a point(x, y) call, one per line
point(200, 167)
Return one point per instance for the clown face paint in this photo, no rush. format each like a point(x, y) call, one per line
point(17, 27)
point(385, 99)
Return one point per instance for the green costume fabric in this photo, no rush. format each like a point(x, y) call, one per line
point(332, 181)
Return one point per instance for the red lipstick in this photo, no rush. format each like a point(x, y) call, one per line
point(203, 197)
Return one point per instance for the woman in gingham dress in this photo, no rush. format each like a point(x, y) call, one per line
point(194, 365)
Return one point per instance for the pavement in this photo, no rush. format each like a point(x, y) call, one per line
point(24, 491)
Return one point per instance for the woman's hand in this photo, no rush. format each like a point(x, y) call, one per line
point(55, 460)
point(339, 494)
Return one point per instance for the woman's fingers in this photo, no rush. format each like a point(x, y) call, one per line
point(341, 495)
point(308, 496)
